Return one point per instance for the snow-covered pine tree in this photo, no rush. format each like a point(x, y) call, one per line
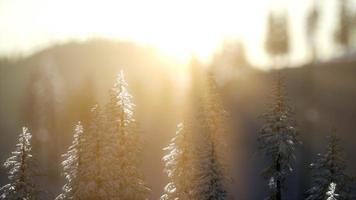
point(278, 140)
point(330, 167)
point(215, 114)
point(71, 164)
point(21, 172)
point(211, 175)
point(210, 181)
point(94, 175)
point(179, 165)
point(126, 143)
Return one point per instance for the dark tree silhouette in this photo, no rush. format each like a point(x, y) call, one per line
point(278, 140)
point(330, 167)
point(277, 38)
point(344, 26)
point(311, 29)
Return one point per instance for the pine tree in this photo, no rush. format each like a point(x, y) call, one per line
point(21, 172)
point(126, 142)
point(312, 25)
point(278, 140)
point(344, 28)
point(179, 165)
point(212, 178)
point(277, 38)
point(95, 171)
point(330, 167)
point(71, 164)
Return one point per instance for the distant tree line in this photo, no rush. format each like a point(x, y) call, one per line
point(277, 42)
point(278, 36)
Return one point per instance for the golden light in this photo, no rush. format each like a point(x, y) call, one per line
point(177, 28)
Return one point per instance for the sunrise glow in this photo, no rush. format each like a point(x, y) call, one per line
point(178, 29)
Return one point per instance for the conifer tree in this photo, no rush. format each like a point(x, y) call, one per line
point(21, 172)
point(194, 168)
point(214, 112)
point(311, 28)
point(179, 166)
point(330, 168)
point(277, 38)
point(95, 170)
point(71, 164)
point(343, 32)
point(278, 140)
point(126, 143)
point(212, 177)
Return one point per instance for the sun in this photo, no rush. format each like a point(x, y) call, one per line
point(177, 28)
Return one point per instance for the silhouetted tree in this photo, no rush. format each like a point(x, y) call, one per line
point(344, 25)
point(278, 140)
point(277, 38)
point(230, 62)
point(312, 25)
point(330, 168)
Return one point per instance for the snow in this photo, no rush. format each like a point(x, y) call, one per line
point(331, 193)
point(20, 171)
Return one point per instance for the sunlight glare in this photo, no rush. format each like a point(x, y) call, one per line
point(177, 28)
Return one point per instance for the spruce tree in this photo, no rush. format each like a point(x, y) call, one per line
point(179, 165)
point(22, 171)
point(330, 168)
point(212, 177)
point(278, 140)
point(126, 142)
point(312, 27)
point(277, 38)
point(95, 170)
point(71, 164)
point(194, 168)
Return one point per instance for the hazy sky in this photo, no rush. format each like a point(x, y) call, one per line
point(178, 28)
